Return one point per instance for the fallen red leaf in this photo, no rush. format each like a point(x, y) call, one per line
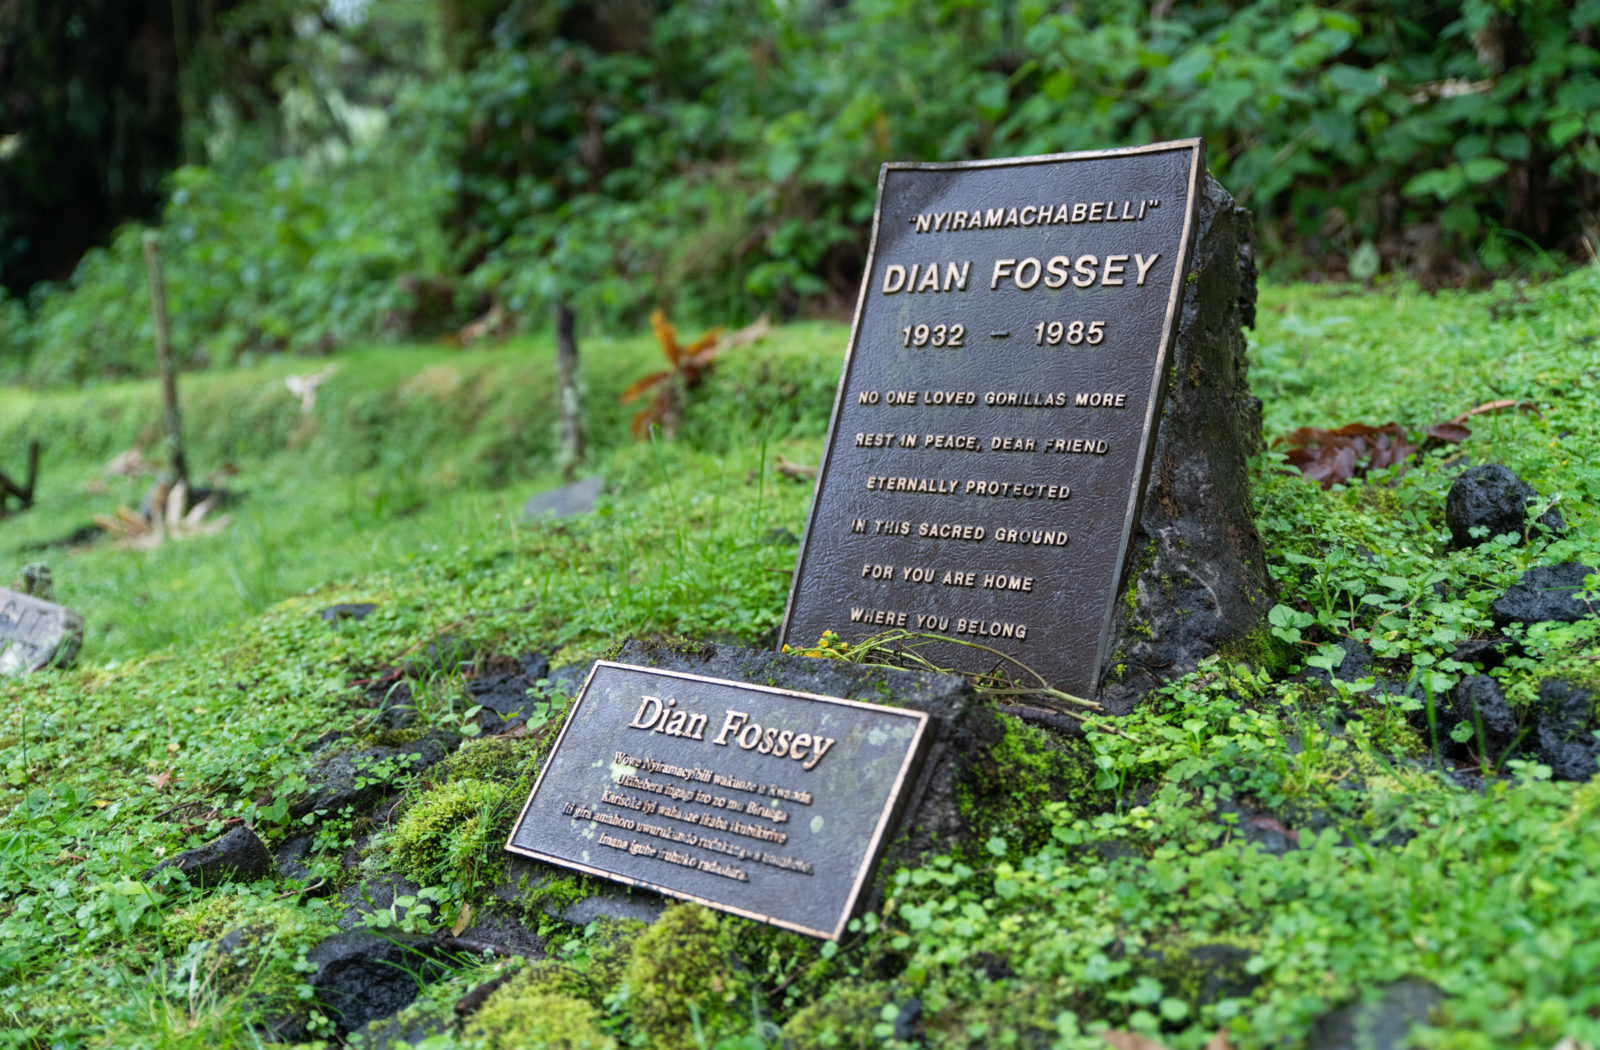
point(1343, 453)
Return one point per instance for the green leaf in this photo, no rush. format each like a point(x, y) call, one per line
point(1484, 169)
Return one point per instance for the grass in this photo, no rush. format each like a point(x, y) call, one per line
point(208, 674)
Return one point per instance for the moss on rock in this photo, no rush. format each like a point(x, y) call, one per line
point(1005, 794)
point(841, 1020)
point(519, 1016)
point(242, 943)
point(682, 973)
point(498, 758)
point(455, 830)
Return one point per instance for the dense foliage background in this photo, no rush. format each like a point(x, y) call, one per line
point(328, 171)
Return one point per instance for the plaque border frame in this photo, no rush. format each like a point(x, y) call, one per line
point(892, 807)
point(1169, 334)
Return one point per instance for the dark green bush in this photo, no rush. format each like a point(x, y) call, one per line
point(724, 162)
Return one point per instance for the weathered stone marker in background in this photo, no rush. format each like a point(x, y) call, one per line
point(36, 633)
point(764, 802)
point(994, 470)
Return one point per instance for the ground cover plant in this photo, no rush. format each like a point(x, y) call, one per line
point(1297, 826)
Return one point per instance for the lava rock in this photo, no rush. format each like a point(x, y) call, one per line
point(1565, 730)
point(1223, 972)
point(345, 778)
point(567, 501)
point(505, 932)
point(357, 611)
point(366, 898)
point(237, 856)
point(1197, 571)
point(1356, 664)
point(907, 1023)
point(505, 697)
point(1383, 1023)
point(361, 977)
point(291, 856)
point(1493, 497)
point(1544, 594)
point(1486, 653)
point(1479, 701)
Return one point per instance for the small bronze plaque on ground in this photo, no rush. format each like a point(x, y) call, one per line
point(763, 802)
point(997, 413)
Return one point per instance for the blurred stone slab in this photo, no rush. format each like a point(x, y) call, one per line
point(36, 633)
point(568, 501)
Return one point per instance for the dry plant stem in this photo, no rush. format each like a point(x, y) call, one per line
point(897, 642)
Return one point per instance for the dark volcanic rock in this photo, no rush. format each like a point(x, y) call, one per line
point(291, 855)
point(351, 778)
point(361, 977)
point(1356, 664)
point(1487, 653)
point(1377, 1024)
point(612, 902)
point(504, 697)
point(568, 501)
point(1478, 701)
point(237, 856)
point(357, 611)
point(371, 896)
point(1544, 594)
point(1492, 497)
point(1566, 724)
point(1197, 570)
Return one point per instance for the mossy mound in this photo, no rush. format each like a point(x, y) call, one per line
point(682, 976)
point(498, 758)
point(455, 830)
point(842, 1020)
point(539, 1017)
point(237, 943)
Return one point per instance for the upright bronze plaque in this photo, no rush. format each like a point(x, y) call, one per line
point(997, 412)
point(764, 802)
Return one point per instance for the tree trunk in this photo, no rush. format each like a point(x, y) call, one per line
point(177, 462)
point(571, 454)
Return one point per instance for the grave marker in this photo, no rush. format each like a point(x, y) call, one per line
point(35, 633)
point(997, 414)
point(764, 802)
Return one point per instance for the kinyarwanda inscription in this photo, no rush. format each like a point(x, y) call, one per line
point(764, 802)
point(996, 416)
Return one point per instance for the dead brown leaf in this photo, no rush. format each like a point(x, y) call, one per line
point(690, 365)
point(1330, 457)
point(797, 471)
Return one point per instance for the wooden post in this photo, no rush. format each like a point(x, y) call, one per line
point(567, 376)
point(23, 492)
point(179, 466)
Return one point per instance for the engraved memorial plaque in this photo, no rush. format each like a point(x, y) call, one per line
point(35, 633)
point(997, 412)
point(763, 802)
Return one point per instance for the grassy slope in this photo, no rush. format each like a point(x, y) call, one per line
point(399, 490)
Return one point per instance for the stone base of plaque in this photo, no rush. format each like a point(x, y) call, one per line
point(1197, 572)
point(983, 773)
